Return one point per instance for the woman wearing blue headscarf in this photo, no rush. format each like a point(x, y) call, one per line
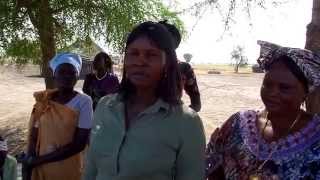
point(60, 124)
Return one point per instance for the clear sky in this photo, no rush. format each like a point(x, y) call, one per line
point(284, 25)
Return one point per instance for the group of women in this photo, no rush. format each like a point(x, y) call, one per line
point(141, 130)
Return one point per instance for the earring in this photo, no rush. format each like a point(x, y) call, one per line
point(304, 104)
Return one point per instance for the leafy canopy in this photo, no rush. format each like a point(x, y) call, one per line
point(108, 20)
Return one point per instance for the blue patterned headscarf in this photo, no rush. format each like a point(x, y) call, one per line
point(307, 61)
point(69, 58)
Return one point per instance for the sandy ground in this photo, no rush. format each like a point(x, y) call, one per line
point(221, 95)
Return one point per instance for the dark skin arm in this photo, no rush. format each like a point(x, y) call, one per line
point(33, 142)
point(191, 86)
point(193, 92)
point(87, 84)
point(195, 100)
point(77, 145)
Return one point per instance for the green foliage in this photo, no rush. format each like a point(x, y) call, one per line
point(86, 47)
point(110, 20)
point(23, 51)
point(238, 58)
point(230, 9)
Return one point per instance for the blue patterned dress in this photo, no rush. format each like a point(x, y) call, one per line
point(233, 151)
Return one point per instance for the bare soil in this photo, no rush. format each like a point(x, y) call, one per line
point(221, 95)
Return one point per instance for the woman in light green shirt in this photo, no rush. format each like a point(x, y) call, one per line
point(144, 132)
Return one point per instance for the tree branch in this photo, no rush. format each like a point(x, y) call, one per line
point(59, 10)
point(33, 18)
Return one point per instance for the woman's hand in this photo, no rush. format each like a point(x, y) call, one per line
point(29, 161)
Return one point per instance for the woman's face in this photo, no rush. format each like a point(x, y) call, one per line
point(144, 63)
point(65, 77)
point(281, 91)
point(100, 65)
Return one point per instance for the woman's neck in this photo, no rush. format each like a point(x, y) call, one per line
point(65, 92)
point(283, 125)
point(101, 74)
point(143, 97)
point(64, 96)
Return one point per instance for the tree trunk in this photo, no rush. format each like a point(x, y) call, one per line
point(236, 68)
point(47, 41)
point(313, 43)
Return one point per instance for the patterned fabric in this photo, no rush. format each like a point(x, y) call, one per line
point(307, 61)
point(238, 149)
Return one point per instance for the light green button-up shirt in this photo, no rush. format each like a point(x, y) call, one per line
point(164, 143)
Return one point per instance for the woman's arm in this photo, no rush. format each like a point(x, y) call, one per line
point(90, 172)
point(91, 169)
point(78, 143)
point(87, 85)
point(214, 170)
point(31, 151)
point(215, 149)
point(190, 163)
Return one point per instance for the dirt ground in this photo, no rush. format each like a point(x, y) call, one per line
point(221, 95)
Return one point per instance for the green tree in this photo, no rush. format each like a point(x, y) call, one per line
point(22, 51)
point(55, 23)
point(229, 9)
point(238, 58)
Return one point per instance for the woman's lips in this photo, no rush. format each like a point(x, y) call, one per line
point(139, 75)
point(272, 103)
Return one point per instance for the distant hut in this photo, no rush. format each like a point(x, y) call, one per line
point(86, 66)
point(87, 49)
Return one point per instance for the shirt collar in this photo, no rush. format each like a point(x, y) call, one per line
point(156, 107)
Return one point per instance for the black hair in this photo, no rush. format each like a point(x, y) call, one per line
point(169, 88)
point(293, 67)
point(174, 31)
point(105, 57)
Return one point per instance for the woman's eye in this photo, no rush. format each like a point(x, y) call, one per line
point(284, 87)
point(152, 54)
point(133, 53)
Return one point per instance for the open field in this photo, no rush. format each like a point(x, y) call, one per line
point(222, 95)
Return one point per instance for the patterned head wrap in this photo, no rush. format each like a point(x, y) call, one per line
point(307, 61)
point(69, 58)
